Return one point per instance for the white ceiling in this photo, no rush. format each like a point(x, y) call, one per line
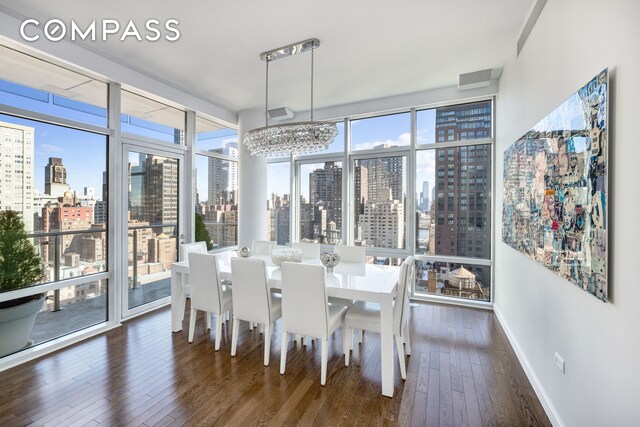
point(369, 48)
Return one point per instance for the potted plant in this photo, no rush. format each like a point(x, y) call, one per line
point(20, 267)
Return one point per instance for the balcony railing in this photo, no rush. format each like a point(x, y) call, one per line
point(67, 254)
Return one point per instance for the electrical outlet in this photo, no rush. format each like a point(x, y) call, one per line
point(560, 362)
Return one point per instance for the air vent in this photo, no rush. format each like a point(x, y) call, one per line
point(474, 80)
point(282, 113)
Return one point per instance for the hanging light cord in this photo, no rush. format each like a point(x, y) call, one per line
point(312, 50)
point(266, 95)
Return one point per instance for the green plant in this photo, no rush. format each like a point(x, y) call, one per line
point(202, 234)
point(20, 265)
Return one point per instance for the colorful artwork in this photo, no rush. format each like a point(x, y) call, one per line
point(555, 190)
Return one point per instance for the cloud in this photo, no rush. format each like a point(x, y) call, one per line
point(50, 148)
point(402, 140)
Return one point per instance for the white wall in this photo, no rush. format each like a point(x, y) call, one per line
point(572, 41)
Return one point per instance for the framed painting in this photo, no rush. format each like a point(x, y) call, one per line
point(556, 189)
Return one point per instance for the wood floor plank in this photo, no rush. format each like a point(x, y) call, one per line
point(463, 371)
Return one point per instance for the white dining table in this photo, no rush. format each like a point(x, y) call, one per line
point(363, 282)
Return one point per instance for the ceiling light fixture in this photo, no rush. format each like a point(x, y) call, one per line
point(289, 138)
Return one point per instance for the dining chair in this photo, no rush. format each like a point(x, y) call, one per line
point(309, 250)
point(262, 247)
point(351, 253)
point(252, 300)
point(185, 250)
point(306, 312)
point(207, 293)
point(366, 316)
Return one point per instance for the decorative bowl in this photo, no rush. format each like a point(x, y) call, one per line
point(329, 260)
point(244, 252)
point(285, 254)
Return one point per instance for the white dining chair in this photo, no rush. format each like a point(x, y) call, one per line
point(305, 310)
point(309, 250)
point(351, 253)
point(366, 316)
point(207, 293)
point(262, 247)
point(252, 300)
point(185, 250)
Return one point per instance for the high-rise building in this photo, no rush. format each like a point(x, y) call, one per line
point(382, 223)
point(160, 195)
point(462, 205)
point(100, 212)
point(222, 175)
point(383, 173)
point(325, 189)
point(361, 184)
point(424, 203)
point(16, 170)
point(55, 177)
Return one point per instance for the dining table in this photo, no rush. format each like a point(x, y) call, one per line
point(356, 281)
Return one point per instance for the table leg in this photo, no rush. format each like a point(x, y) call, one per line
point(386, 346)
point(177, 301)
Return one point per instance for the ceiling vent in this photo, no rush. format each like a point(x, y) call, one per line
point(474, 80)
point(282, 113)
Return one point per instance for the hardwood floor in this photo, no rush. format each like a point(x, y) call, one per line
point(462, 371)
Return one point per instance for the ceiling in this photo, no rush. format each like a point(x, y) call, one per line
point(369, 48)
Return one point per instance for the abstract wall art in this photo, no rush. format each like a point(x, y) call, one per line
point(555, 190)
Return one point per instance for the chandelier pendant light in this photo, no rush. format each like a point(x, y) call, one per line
point(289, 138)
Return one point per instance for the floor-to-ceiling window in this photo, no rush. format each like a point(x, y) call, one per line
point(53, 172)
point(453, 201)
point(153, 138)
point(216, 184)
point(278, 201)
point(414, 182)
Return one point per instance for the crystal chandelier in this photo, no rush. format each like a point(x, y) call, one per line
point(289, 138)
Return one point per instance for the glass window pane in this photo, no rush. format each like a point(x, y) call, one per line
point(453, 201)
point(45, 176)
point(152, 119)
point(153, 225)
point(454, 123)
point(321, 202)
point(453, 280)
point(215, 137)
point(278, 202)
point(393, 130)
point(217, 200)
point(82, 306)
point(379, 202)
point(32, 84)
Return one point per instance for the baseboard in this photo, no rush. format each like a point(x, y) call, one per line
point(533, 379)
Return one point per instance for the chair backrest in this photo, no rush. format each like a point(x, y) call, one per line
point(304, 300)
point(401, 302)
point(251, 295)
point(187, 248)
point(351, 253)
point(262, 247)
point(309, 250)
point(205, 282)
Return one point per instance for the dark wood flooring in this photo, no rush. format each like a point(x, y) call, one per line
point(462, 371)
